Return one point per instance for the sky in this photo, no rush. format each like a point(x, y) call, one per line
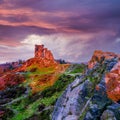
point(71, 29)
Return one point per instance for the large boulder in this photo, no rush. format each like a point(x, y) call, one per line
point(71, 104)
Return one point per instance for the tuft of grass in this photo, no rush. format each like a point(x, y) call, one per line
point(76, 68)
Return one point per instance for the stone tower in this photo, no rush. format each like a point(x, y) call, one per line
point(41, 52)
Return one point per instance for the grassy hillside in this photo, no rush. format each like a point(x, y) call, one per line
point(43, 86)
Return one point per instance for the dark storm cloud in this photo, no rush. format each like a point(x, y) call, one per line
point(79, 15)
point(99, 21)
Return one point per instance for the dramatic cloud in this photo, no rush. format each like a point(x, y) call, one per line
point(72, 29)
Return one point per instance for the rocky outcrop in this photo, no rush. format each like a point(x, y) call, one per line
point(71, 104)
point(99, 56)
point(89, 96)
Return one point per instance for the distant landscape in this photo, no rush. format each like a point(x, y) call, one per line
point(42, 88)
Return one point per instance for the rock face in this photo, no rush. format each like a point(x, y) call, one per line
point(92, 95)
point(98, 56)
point(112, 80)
point(43, 58)
point(73, 100)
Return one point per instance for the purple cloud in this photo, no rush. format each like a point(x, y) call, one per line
point(89, 25)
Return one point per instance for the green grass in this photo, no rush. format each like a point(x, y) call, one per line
point(59, 85)
point(27, 111)
point(27, 107)
point(76, 68)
